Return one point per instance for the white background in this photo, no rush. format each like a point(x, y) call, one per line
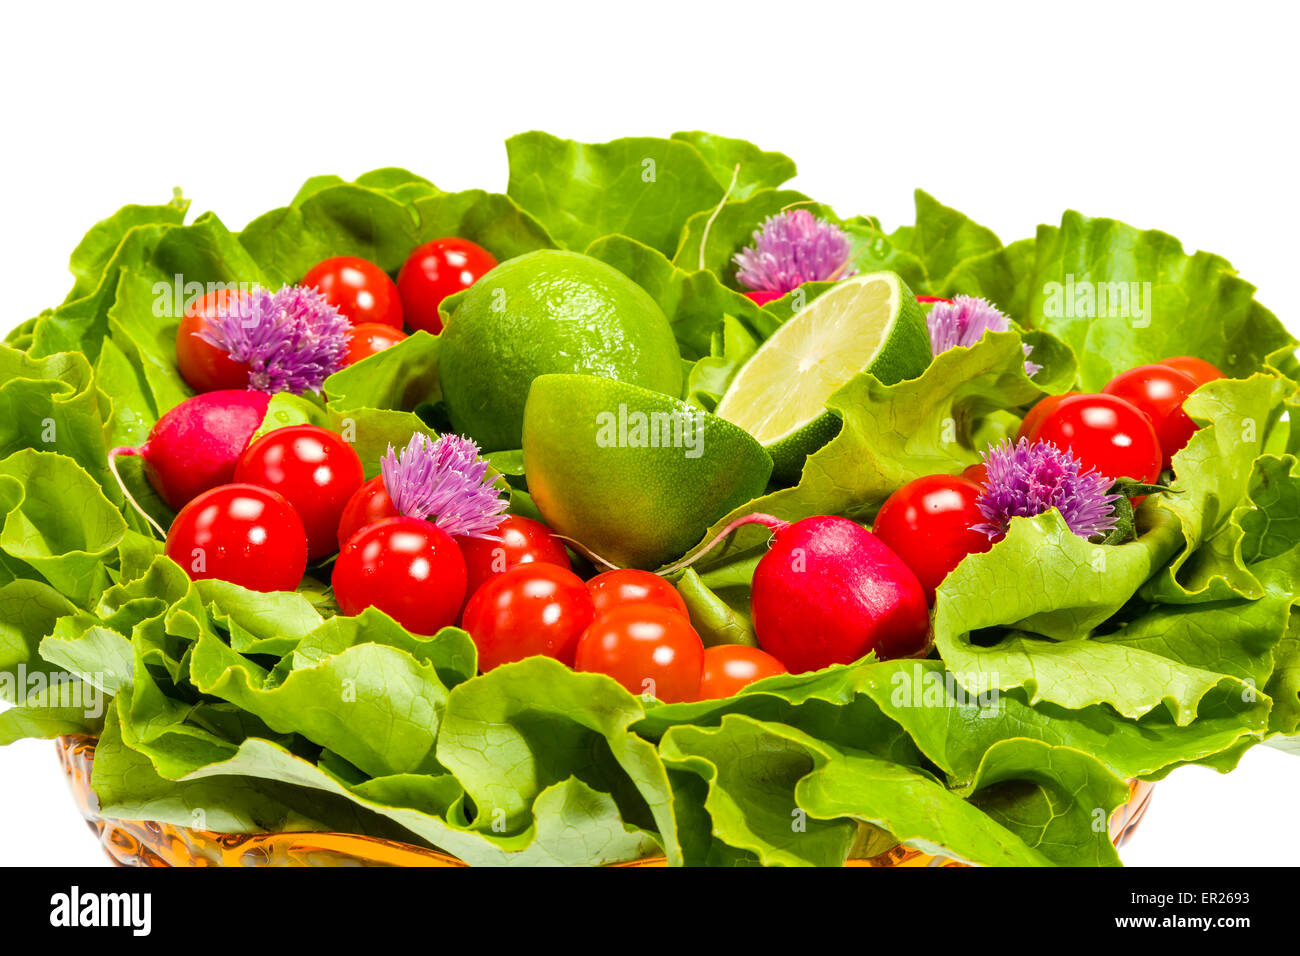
point(1174, 116)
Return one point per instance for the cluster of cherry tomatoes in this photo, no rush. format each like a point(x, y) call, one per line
point(377, 307)
point(630, 625)
point(1131, 429)
point(299, 495)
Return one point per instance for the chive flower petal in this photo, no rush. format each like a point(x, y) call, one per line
point(792, 248)
point(292, 340)
point(446, 481)
point(1027, 479)
point(963, 322)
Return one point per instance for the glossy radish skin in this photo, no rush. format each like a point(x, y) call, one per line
point(195, 446)
point(829, 591)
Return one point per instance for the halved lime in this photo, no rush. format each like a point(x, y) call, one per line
point(869, 323)
point(634, 475)
point(548, 311)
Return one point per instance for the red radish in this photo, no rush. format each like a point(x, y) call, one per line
point(368, 504)
point(762, 296)
point(829, 592)
point(409, 568)
point(928, 299)
point(247, 535)
point(195, 446)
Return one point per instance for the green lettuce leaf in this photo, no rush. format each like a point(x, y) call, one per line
point(1163, 301)
point(57, 524)
point(641, 187)
point(695, 302)
point(753, 168)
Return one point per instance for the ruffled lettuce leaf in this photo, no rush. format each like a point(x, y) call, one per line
point(640, 187)
point(1158, 301)
point(695, 302)
point(752, 168)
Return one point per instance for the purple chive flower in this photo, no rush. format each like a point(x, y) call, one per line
point(963, 321)
point(792, 248)
point(292, 339)
point(446, 481)
point(1027, 479)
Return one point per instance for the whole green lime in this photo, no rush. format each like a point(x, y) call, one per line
point(633, 475)
point(543, 312)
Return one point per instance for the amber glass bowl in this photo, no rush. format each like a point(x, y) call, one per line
point(145, 843)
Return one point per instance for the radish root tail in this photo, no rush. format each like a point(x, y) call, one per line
point(127, 451)
point(586, 552)
point(771, 522)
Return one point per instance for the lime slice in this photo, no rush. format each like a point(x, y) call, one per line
point(869, 323)
point(633, 475)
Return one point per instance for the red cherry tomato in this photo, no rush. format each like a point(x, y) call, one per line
point(630, 586)
point(370, 338)
point(1159, 391)
point(729, 667)
point(368, 504)
point(532, 609)
point(315, 469)
point(978, 473)
point(647, 648)
point(434, 271)
point(409, 568)
point(1106, 433)
point(1198, 370)
point(762, 296)
point(928, 299)
point(204, 366)
point(359, 289)
point(244, 534)
point(929, 524)
point(522, 541)
point(1041, 410)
